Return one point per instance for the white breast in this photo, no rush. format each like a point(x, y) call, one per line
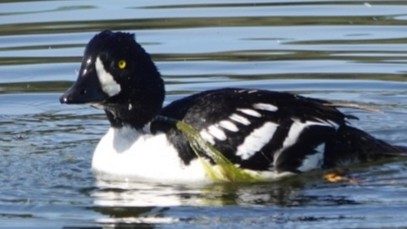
point(128, 153)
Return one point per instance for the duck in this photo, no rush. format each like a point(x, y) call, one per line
point(267, 134)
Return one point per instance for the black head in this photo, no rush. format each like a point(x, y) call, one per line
point(118, 75)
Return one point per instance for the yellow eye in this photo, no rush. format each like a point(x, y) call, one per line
point(122, 64)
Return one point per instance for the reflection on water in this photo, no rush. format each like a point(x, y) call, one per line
point(306, 199)
point(339, 50)
point(136, 194)
point(156, 203)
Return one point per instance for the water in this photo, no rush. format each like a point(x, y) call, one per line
point(350, 51)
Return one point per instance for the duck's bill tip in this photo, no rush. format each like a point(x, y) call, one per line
point(76, 95)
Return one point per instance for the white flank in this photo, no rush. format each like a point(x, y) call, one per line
point(205, 135)
point(265, 107)
point(313, 161)
point(228, 125)
point(215, 131)
point(240, 119)
point(130, 154)
point(250, 112)
point(109, 85)
point(256, 140)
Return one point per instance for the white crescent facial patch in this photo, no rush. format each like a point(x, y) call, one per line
point(109, 85)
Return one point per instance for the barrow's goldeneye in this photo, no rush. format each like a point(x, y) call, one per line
point(265, 133)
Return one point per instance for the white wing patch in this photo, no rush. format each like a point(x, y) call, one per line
point(240, 119)
point(256, 140)
point(228, 125)
point(265, 107)
point(250, 112)
point(109, 85)
point(296, 129)
point(215, 131)
point(205, 135)
point(313, 161)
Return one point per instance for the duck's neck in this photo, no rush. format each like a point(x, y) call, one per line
point(138, 111)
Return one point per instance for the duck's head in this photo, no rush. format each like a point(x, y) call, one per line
point(119, 76)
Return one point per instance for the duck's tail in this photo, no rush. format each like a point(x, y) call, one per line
point(353, 145)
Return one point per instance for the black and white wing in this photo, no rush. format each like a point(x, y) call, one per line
point(258, 130)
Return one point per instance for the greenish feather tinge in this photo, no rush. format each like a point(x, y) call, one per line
point(223, 170)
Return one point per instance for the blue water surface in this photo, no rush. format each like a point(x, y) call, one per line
point(348, 51)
